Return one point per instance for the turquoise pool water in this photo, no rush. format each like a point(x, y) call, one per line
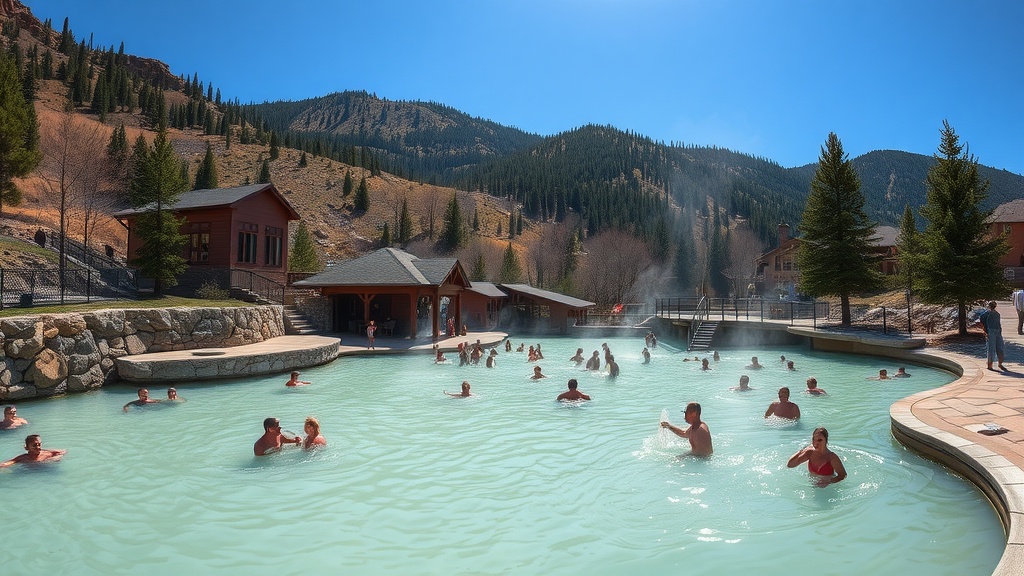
point(506, 482)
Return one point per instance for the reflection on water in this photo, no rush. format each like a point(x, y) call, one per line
point(506, 481)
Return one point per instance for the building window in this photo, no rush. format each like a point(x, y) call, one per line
point(274, 242)
point(199, 242)
point(247, 234)
point(1007, 228)
point(778, 261)
point(787, 265)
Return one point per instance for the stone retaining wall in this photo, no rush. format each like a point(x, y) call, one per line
point(52, 354)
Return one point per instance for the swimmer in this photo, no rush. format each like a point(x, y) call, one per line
point(531, 356)
point(294, 381)
point(540, 355)
point(536, 374)
point(508, 345)
point(11, 419)
point(439, 356)
point(789, 366)
point(753, 364)
point(172, 396)
point(883, 374)
point(901, 372)
point(613, 368)
point(647, 356)
point(822, 462)
point(578, 358)
point(313, 437)
point(594, 363)
point(698, 433)
point(142, 401)
point(715, 356)
point(35, 453)
point(520, 349)
point(782, 360)
point(272, 439)
point(572, 394)
point(704, 365)
point(783, 408)
point(464, 394)
point(812, 387)
point(744, 384)
point(492, 358)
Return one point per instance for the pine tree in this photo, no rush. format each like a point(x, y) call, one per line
point(511, 224)
point(19, 134)
point(511, 270)
point(476, 220)
point(302, 160)
point(453, 234)
point(959, 262)
point(385, 236)
point(835, 255)
point(404, 224)
point(479, 273)
point(303, 256)
point(156, 186)
point(275, 149)
point(908, 246)
point(346, 186)
point(519, 225)
point(361, 202)
point(206, 175)
point(264, 177)
point(682, 265)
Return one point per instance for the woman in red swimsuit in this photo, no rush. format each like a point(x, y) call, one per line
point(822, 462)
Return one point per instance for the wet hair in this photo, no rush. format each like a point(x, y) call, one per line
point(813, 381)
point(573, 383)
point(465, 384)
point(269, 423)
point(294, 374)
point(784, 389)
point(744, 379)
point(8, 409)
point(30, 438)
point(693, 407)
point(314, 424)
point(820, 430)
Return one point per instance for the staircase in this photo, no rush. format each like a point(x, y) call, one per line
point(295, 323)
point(704, 335)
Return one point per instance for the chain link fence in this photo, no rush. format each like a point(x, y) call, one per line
point(40, 286)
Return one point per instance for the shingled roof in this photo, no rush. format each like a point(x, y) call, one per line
point(488, 289)
point(1012, 211)
point(547, 295)
point(385, 267)
point(214, 197)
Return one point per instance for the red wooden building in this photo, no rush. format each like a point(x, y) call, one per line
point(229, 229)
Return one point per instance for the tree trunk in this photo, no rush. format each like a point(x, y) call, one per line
point(844, 305)
point(961, 317)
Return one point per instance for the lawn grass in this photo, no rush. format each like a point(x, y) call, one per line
point(165, 302)
point(16, 245)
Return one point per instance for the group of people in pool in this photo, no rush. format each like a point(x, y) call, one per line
point(273, 438)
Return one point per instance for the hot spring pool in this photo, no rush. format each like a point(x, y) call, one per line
point(506, 482)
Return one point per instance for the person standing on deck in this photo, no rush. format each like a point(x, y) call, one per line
point(992, 325)
point(1018, 305)
point(371, 330)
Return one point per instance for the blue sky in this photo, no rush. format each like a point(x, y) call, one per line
point(769, 78)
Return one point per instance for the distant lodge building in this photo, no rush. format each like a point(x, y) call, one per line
point(1008, 219)
point(229, 229)
point(414, 297)
point(777, 273)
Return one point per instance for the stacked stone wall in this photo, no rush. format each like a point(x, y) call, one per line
point(51, 354)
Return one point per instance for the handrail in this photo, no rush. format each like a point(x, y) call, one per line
point(267, 288)
point(699, 315)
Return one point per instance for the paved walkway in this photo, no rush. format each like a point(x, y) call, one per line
point(944, 424)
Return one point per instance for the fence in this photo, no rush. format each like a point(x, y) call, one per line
point(29, 287)
point(266, 288)
point(755, 309)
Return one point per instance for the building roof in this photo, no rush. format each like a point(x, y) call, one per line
point(885, 236)
point(488, 289)
point(212, 198)
point(548, 295)
point(385, 267)
point(1012, 211)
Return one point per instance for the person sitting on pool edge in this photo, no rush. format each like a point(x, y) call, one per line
point(11, 419)
point(821, 461)
point(812, 387)
point(294, 381)
point(572, 394)
point(34, 452)
point(313, 437)
point(753, 364)
point(536, 374)
point(272, 439)
point(143, 399)
point(744, 384)
point(783, 408)
point(465, 391)
point(698, 433)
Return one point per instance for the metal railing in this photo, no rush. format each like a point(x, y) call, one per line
point(754, 309)
point(266, 288)
point(32, 287)
point(698, 318)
